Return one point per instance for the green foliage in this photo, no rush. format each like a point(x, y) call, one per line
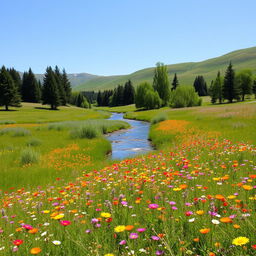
point(141, 92)
point(216, 89)
point(16, 78)
point(30, 89)
point(161, 82)
point(254, 88)
point(29, 156)
point(129, 93)
point(79, 100)
point(33, 142)
point(159, 118)
point(50, 93)
point(184, 96)
point(244, 82)
point(230, 88)
point(66, 85)
point(200, 86)
point(175, 82)
point(9, 95)
point(60, 86)
point(152, 100)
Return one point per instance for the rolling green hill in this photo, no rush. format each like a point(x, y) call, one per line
point(241, 59)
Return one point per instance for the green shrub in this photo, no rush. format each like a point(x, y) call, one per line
point(152, 100)
point(29, 156)
point(184, 96)
point(159, 118)
point(84, 132)
point(33, 142)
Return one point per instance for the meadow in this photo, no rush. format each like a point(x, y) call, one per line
point(194, 195)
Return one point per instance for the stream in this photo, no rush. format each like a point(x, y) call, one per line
point(129, 142)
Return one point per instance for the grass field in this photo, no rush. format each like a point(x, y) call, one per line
point(194, 196)
point(34, 153)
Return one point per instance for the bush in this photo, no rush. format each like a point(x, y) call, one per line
point(140, 94)
point(152, 100)
point(84, 132)
point(185, 96)
point(29, 156)
point(33, 142)
point(159, 118)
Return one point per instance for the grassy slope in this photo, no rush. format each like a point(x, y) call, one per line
point(245, 58)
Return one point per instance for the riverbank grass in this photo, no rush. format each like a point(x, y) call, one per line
point(33, 154)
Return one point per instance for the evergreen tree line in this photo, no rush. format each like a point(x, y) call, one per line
point(80, 100)
point(233, 86)
point(120, 96)
point(55, 91)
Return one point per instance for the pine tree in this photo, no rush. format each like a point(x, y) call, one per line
point(50, 93)
point(230, 90)
point(161, 82)
point(175, 82)
point(99, 99)
point(16, 78)
point(244, 82)
point(213, 92)
point(66, 85)
point(30, 90)
point(129, 93)
point(200, 86)
point(59, 81)
point(120, 95)
point(254, 88)
point(9, 95)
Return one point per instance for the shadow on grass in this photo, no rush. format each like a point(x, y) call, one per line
point(45, 108)
point(9, 110)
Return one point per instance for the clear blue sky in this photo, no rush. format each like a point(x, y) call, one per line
point(108, 37)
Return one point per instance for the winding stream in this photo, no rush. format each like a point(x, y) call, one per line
point(130, 142)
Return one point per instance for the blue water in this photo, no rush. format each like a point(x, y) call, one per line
point(130, 142)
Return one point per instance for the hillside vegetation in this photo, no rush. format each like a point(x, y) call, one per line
point(241, 59)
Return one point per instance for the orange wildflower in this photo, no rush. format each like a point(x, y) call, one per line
point(33, 231)
point(204, 230)
point(129, 227)
point(226, 220)
point(35, 250)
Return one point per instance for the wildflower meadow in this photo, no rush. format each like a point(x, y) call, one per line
point(193, 196)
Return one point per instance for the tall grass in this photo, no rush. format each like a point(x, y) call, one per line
point(33, 142)
point(159, 118)
point(29, 156)
point(101, 125)
point(84, 132)
point(15, 131)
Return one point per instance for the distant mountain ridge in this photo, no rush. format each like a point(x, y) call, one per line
point(75, 79)
point(186, 72)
